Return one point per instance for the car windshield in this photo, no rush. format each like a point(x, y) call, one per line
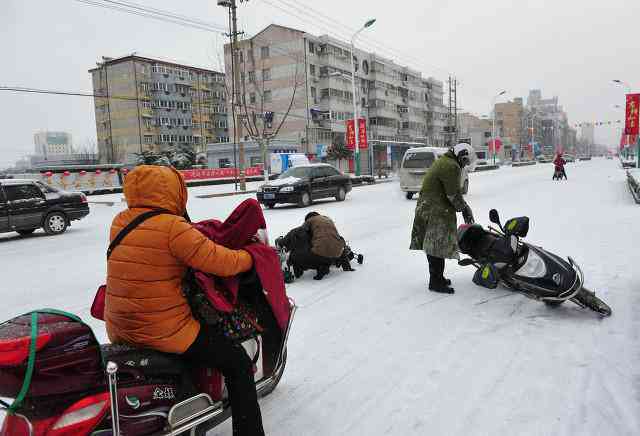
point(420, 159)
point(46, 188)
point(298, 172)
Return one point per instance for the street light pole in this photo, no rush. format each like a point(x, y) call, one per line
point(356, 116)
point(493, 123)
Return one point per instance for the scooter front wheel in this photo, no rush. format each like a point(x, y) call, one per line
point(588, 299)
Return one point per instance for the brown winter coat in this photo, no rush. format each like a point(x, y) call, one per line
point(325, 239)
point(144, 303)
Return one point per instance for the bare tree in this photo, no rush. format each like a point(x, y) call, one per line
point(261, 121)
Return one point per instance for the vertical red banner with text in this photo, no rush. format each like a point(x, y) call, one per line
point(351, 135)
point(633, 115)
point(362, 133)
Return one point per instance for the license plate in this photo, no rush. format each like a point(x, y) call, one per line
point(269, 196)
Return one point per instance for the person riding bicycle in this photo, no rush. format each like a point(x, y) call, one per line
point(145, 306)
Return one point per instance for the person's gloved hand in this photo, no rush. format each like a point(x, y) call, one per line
point(279, 242)
point(467, 214)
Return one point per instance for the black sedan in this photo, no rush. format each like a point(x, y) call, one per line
point(26, 205)
point(302, 184)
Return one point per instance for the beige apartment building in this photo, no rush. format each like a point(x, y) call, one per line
point(400, 106)
point(152, 104)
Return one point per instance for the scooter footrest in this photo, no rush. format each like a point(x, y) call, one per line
point(190, 409)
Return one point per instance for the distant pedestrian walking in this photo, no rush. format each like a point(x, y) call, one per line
point(559, 171)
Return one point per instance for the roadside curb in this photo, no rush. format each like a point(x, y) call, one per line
point(486, 168)
point(226, 194)
point(524, 164)
point(634, 187)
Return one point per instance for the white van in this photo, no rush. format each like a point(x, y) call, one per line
point(416, 162)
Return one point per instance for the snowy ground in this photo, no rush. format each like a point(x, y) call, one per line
point(373, 352)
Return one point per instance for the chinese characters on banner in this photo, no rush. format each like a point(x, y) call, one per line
point(351, 134)
point(633, 115)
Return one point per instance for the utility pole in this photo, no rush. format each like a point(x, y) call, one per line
point(237, 88)
point(452, 116)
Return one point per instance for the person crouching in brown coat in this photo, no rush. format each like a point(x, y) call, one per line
point(327, 246)
point(144, 304)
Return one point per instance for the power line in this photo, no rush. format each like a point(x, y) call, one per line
point(155, 14)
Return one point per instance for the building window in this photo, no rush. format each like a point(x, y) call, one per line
point(240, 56)
point(314, 93)
point(252, 98)
point(312, 69)
point(148, 139)
point(266, 98)
point(312, 47)
point(252, 76)
point(266, 74)
point(264, 52)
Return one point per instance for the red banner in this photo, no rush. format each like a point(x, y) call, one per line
point(218, 173)
point(351, 135)
point(362, 134)
point(633, 115)
point(498, 145)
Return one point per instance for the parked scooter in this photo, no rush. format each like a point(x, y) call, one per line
point(501, 256)
point(64, 382)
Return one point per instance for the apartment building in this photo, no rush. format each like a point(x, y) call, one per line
point(153, 104)
point(281, 65)
point(51, 144)
point(476, 128)
point(556, 135)
point(510, 126)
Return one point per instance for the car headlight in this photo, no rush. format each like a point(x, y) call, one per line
point(287, 189)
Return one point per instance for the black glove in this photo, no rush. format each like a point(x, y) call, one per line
point(280, 242)
point(467, 214)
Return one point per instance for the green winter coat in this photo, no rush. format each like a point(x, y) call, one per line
point(434, 225)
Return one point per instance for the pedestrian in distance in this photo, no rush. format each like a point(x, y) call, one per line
point(559, 171)
point(435, 224)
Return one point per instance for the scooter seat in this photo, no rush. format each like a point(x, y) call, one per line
point(142, 361)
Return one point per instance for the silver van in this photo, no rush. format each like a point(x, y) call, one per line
point(416, 162)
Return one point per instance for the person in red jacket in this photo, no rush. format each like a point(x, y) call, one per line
point(559, 163)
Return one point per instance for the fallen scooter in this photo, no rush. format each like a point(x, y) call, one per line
point(501, 257)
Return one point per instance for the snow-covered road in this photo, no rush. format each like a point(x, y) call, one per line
point(373, 352)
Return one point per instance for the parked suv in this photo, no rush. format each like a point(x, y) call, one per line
point(26, 205)
point(303, 184)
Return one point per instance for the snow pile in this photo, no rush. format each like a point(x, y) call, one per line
point(373, 352)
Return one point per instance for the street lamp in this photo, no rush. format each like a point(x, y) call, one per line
point(353, 89)
point(493, 123)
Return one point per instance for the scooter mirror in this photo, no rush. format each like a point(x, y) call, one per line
point(494, 217)
point(465, 262)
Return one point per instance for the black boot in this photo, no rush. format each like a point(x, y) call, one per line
point(321, 272)
point(440, 286)
point(297, 271)
point(437, 282)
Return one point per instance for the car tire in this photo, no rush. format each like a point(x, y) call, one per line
point(55, 223)
point(465, 187)
point(305, 199)
point(341, 195)
point(25, 232)
point(409, 195)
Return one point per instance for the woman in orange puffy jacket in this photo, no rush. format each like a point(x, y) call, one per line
point(144, 304)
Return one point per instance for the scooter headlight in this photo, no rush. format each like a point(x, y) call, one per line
point(534, 267)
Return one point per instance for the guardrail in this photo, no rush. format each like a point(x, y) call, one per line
point(634, 185)
point(524, 164)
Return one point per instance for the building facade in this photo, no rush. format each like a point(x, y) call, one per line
point(282, 67)
point(151, 104)
point(510, 126)
point(553, 132)
point(52, 144)
point(475, 128)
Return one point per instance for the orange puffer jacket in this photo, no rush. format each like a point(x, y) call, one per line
point(144, 303)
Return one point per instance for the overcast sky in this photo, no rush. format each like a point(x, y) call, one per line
point(569, 48)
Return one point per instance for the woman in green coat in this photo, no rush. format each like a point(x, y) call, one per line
point(434, 225)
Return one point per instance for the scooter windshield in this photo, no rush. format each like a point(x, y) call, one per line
point(534, 267)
